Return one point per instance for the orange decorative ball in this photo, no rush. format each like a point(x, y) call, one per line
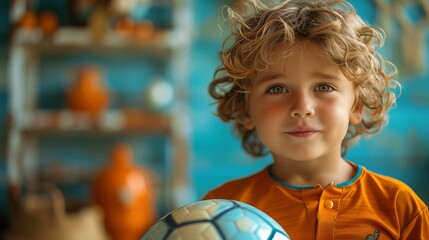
point(88, 94)
point(126, 194)
point(124, 25)
point(48, 22)
point(28, 20)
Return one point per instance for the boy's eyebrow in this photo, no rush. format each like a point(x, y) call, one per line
point(325, 75)
point(270, 77)
point(319, 75)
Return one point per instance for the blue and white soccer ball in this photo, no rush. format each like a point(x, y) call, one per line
point(216, 219)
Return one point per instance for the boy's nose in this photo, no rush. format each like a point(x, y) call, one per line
point(303, 106)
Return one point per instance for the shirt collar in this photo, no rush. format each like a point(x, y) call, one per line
point(358, 168)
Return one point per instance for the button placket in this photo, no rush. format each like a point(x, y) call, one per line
point(327, 212)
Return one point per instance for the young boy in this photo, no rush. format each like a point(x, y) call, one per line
point(301, 80)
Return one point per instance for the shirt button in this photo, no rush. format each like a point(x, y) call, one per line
point(329, 204)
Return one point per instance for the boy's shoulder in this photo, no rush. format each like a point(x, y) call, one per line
point(374, 179)
point(388, 187)
point(237, 186)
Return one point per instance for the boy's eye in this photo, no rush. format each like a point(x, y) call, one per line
point(277, 90)
point(324, 88)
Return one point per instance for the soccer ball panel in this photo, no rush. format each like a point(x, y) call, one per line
point(244, 224)
point(279, 236)
point(200, 210)
point(196, 231)
point(157, 231)
point(263, 215)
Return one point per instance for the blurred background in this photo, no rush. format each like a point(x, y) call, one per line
point(105, 103)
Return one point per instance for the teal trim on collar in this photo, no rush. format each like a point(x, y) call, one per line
point(275, 179)
point(353, 179)
point(344, 184)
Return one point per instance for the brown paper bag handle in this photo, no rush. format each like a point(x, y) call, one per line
point(32, 199)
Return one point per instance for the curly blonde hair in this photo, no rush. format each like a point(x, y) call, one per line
point(336, 27)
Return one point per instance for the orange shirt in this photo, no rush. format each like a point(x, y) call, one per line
point(366, 207)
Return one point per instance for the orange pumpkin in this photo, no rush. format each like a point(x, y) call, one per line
point(88, 94)
point(126, 194)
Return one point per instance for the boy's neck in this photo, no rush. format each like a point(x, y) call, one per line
point(314, 172)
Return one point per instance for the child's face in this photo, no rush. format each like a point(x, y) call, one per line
point(301, 105)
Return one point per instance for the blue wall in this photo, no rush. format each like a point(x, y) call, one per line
point(401, 150)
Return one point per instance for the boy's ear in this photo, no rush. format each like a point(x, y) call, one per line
point(248, 123)
point(356, 114)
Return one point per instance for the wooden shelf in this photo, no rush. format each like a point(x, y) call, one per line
point(72, 39)
point(111, 121)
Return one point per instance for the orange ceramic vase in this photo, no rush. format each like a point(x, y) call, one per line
point(126, 194)
point(88, 94)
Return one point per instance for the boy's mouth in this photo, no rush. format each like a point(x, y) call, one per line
point(302, 131)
